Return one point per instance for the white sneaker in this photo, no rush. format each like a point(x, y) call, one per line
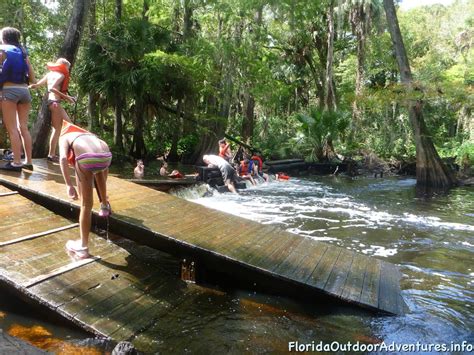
point(74, 246)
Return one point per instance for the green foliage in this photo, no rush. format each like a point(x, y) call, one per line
point(168, 75)
point(320, 128)
point(273, 51)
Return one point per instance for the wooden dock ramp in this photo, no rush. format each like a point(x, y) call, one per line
point(233, 245)
point(113, 294)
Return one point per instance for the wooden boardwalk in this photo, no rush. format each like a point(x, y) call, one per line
point(113, 294)
point(236, 246)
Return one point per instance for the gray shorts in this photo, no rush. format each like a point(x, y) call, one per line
point(228, 173)
point(17, 94)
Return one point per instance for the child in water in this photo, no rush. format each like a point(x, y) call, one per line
point(139, 170)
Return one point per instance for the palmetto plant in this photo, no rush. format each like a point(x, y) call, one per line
point(321, 128)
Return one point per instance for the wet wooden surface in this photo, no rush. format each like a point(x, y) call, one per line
point(113, 293)
point(223, 238)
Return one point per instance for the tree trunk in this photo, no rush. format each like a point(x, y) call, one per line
point(431, 172)
point(138, 149)
point(146, 7)
point(173, 154)
point(119, 100)
point(330, 100)
point(359, 28)
point(41, 128)
point(249, 118)
point(118, 123)
point(319, 43)
point(92, 96)
point(187, 20)
point(118, 9)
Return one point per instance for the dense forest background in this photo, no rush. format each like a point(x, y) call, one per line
point(312, 79)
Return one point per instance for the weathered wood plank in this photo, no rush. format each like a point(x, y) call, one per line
point(152, 307)
point(33, 222)
point(340, 273)
point(2, 194)
point(370, 289)
point(307, 264)
point(74, 265)
point(295, 257)
point(126, 308)
point(279, 253)
point(320, 274)
point(389, 289)
point(40, 234)
point(355, 281)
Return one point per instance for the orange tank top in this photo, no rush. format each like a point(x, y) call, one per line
point(69, 127)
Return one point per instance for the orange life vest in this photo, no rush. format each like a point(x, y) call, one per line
point(283, 176)
point(244, 168)
point(176, 175)
point(260, 161)
point(61, 68)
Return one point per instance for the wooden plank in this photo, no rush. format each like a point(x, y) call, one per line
point(30, 222)
point(292, 260)
point(64, 288)
point(14, 202)
point(35, 257)
point(389, 300)
point(239, 243)
point(2, 194)
point(320, 274)
point(104, 289)
point(152, 307)
point(280, 253)
point(307, 264)
point(4, 189)
point(370, 289)
point(204, 234)
point(158, 328)
point(74, 265)
point(110, 314)
point(337, 280)
point(40, 234)
point(355, 281)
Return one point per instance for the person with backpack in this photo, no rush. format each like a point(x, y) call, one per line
point(16, 73)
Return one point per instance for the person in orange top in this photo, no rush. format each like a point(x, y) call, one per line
point(245, 170)
point(57, 80)
point(224, 150)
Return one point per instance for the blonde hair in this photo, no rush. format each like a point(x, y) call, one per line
point(63, 61)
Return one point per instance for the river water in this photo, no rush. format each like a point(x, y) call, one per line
point(431, 240)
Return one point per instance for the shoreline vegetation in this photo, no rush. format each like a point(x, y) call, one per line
point(312, 81)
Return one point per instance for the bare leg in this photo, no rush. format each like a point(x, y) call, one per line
point(9, 118)
point(58, 114)
point(23, 112)
point(101, 185)
point(230, 185)
point(86, 179)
